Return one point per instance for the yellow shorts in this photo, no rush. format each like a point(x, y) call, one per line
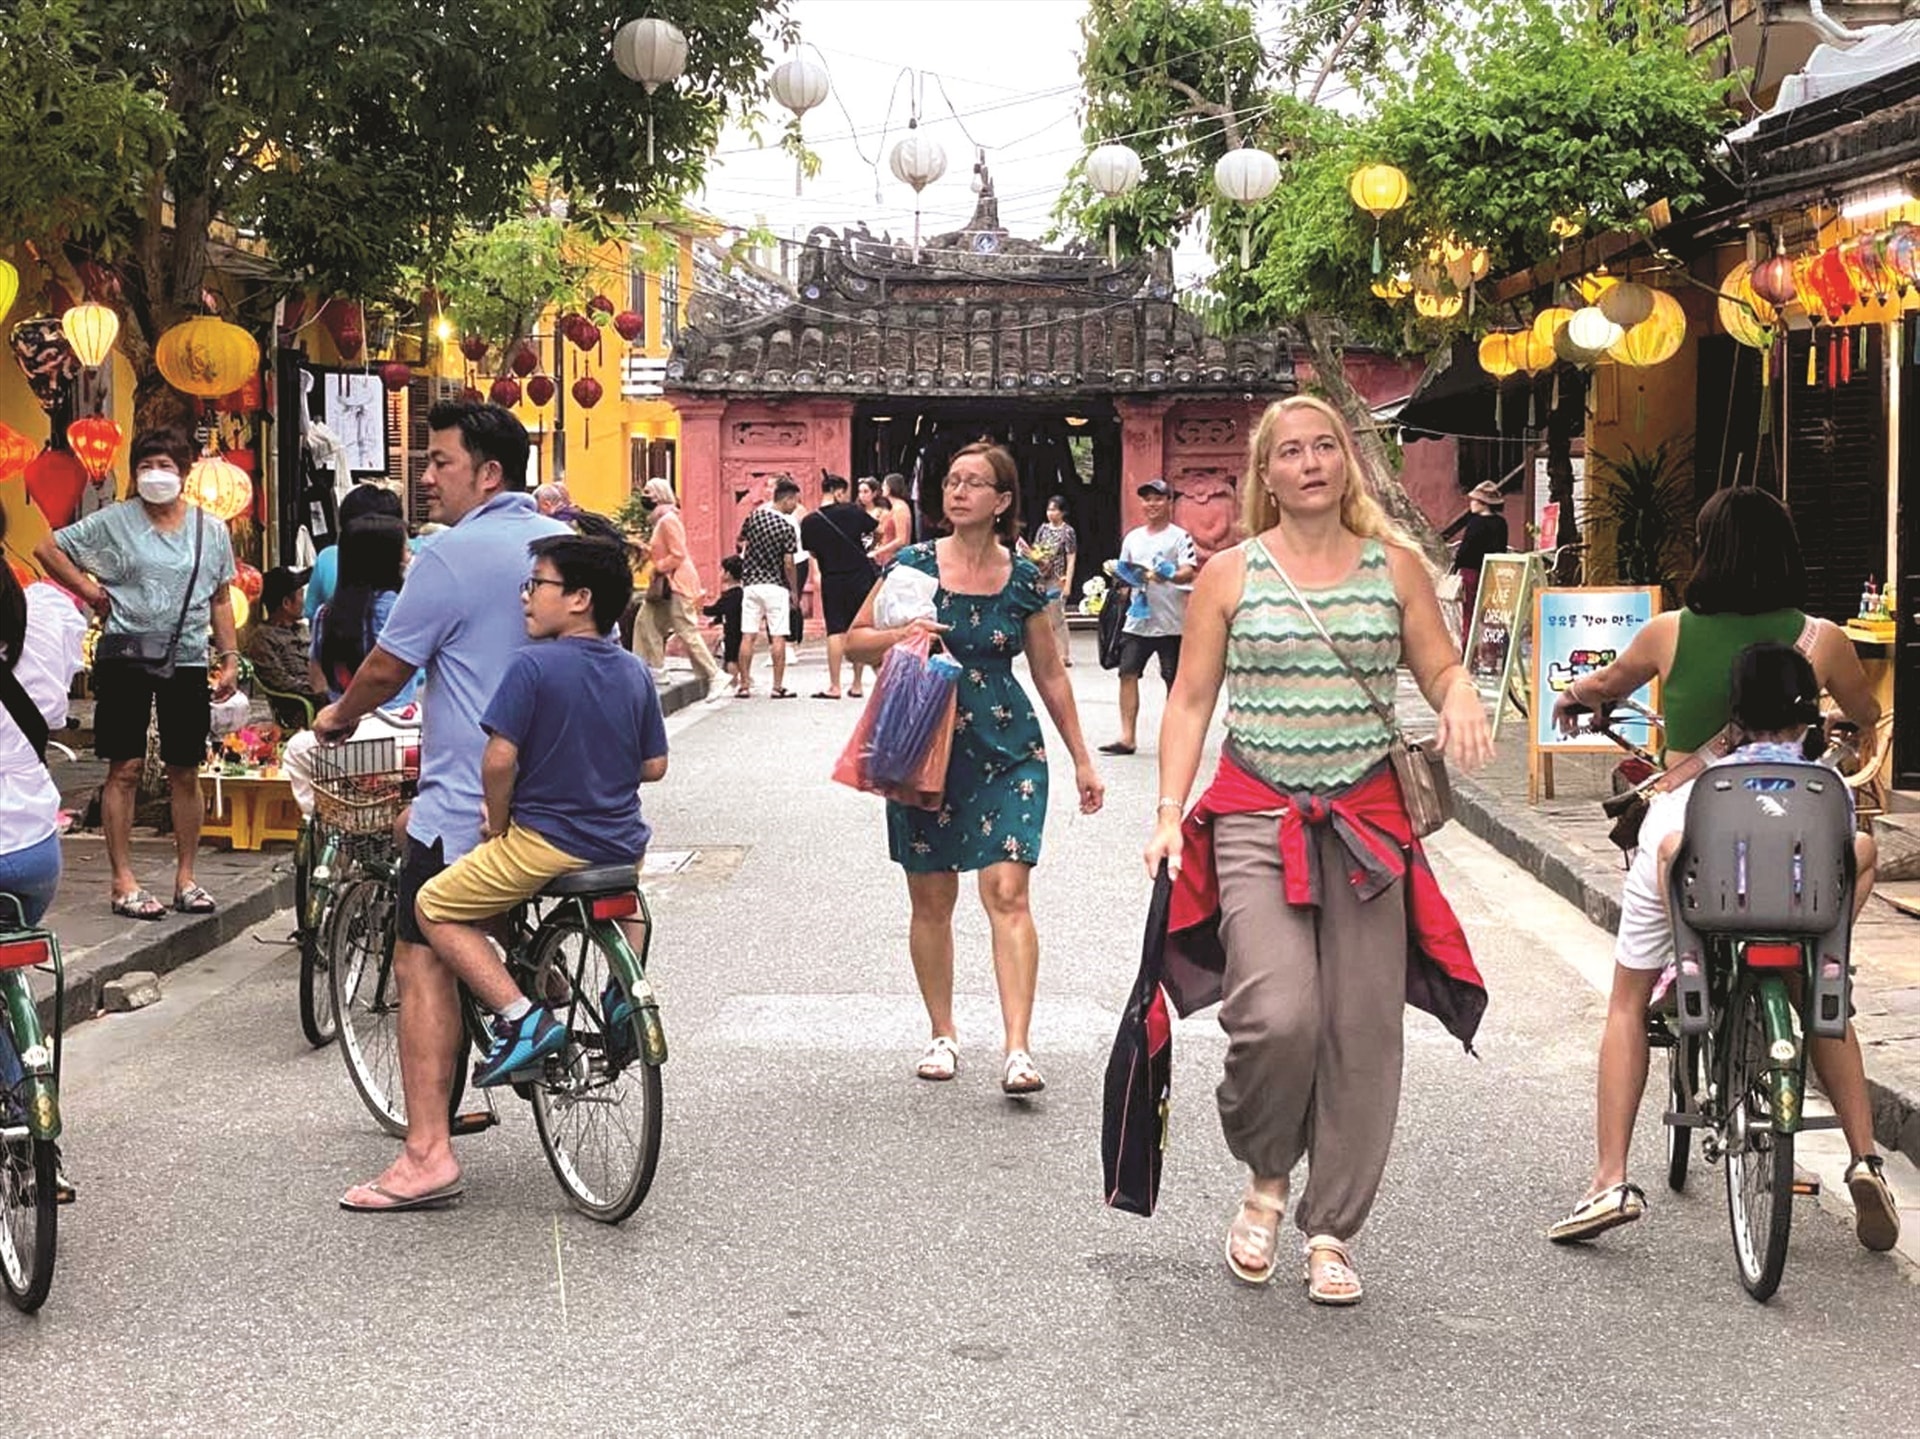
point(503, 872)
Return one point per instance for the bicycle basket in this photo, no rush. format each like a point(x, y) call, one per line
point(361, 786)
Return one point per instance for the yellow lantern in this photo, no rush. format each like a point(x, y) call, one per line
point(1463, 261)
point(1377, 189)
point(1394, 288)
point(1743, 314)
point(219, 487)
point(1592, 287)
point(1656, 339)
point(1547, 323)
point(9, 287)
point(1431, 306)
point(206, 356)
point(1496, 356)
point(242, 610)
point(91, 329)
point(1530, 352)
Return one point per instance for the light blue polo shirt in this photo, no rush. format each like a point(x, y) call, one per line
point(145, 571)
point(459, 618)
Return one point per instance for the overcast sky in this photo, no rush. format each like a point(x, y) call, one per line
point(1001, 74)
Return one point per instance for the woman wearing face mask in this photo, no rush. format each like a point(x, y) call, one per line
point(659, 619)
point(156, 570)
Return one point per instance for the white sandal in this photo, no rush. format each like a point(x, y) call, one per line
point(1022, 1075)
point(1339, 1283)
point(1263, 1238)
point(942, 1059)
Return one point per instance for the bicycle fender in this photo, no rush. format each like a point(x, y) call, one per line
point(1784, 1054)
point(653, 1035)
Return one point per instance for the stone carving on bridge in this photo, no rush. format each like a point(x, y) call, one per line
point(1206, 504)
point(769, 434)
point(1207, 433)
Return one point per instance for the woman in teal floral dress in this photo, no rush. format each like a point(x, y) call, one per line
point(989, 609)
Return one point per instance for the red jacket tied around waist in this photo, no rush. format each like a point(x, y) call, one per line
point(1370, 821)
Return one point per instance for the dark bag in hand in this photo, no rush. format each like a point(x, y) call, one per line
point(1113, 619)
point(1139, 1084)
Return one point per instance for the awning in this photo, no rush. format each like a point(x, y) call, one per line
point(1455, 400)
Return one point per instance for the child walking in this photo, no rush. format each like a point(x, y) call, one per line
point(726, 610)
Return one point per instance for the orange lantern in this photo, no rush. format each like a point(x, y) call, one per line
point(1656, 339)
point(247, 580)
point(206, 356)
point(221, 489)
point(1547, 324)
point(16, 451)
point(94, 440)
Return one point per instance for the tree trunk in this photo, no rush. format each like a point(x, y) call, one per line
point(1330, 371)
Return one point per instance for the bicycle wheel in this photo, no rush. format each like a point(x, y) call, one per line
point(366, 1000)
point(1683, 1079)
point(597, 1107)
point(29, 1213)
point(1759, 1161)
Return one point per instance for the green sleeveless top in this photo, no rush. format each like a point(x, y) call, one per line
point(1697, 693)
point(1295, 717)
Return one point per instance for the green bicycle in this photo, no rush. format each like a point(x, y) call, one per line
point(30, 1192)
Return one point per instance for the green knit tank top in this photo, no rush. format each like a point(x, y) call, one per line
point(1697, 692)
point(1295, 717)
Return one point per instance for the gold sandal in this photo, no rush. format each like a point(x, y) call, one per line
point(1255, 1238)
point(1339, 1283)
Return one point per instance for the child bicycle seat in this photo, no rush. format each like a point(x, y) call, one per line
point(1767, 854)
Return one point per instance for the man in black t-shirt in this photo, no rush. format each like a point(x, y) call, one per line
point(770, 584)
point(835, 536)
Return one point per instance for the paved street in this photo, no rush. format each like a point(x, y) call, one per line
point(833, 1247)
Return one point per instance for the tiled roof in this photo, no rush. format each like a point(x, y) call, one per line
point(977, 312)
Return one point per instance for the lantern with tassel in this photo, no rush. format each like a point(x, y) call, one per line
point(474, 347)
point(799, 84)
point(1626, 304)
point(651, 52)
point(1114, 170)
point(94, 440)
point(586, 392)
point(1246, 176)
point(540, 389)
point(1772, 281)
point(1379, 190)
point(630, 325)
point(395, 376)
point(504, 392)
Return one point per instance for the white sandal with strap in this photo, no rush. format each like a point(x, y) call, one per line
point(1259, 1238)
point(1339, 1283)
point(942, 1059)
point(1022, 1075)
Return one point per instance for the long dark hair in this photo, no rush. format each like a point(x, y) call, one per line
point(1749, 556)
point(13, 606)
point(373, 553)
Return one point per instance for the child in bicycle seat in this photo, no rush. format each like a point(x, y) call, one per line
point(574, 729)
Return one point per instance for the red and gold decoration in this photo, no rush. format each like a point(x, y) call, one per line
point(94, 440)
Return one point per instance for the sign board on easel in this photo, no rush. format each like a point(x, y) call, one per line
point(1496, 632)
point(1575, 632)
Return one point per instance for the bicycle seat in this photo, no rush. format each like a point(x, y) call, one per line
point(595, 879)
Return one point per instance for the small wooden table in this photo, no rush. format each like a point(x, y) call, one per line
point(248, 810)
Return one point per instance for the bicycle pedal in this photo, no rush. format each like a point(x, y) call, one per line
point(476, 1121)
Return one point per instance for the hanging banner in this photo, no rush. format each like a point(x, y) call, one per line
point(1578, 631)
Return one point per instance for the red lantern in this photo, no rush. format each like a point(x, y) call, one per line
point(1832, 283)
point(344, 322)
point(94, 441)
point(524, 360)
point(540, 389)
point(587, 392)
point(16, 451)
point(1903, 255)
point(248, 579)
point(470, 396)
point(395, 376)
point(1772, 281)
point(474, 347)
point(55, 480)
point(582, 331)
point(599, 304)
point(630, 324)
point(505, 392)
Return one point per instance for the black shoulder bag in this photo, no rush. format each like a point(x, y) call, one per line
point(32, 724)
point(156, 655)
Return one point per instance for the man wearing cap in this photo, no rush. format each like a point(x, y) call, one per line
point(1483, 531)
point(278, 652)
point(1159, 560)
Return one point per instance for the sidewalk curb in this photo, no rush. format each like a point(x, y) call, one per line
point(180, 939)
point(1531, 844)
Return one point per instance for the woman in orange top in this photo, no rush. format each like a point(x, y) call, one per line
point(674, 615)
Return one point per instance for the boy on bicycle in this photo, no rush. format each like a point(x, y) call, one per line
point(574, 729)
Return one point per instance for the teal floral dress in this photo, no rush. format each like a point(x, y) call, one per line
point(996, 799)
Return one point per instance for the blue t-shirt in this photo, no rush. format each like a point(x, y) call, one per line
point(585, 717)
point(459, 618)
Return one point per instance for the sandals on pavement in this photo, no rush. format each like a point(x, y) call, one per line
point(1253, 1237)
point(784, 694)
point(138, 905)
point(826, 694)
point(194, 900)
point(1875, 1212)
point(1022, 1075)
point(388, 1202)
point(1597, 1213)
point(942, 1059)
point(1337, 1282)
point(1115, 747)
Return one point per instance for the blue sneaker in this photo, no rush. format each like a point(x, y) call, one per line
point(519, 1044)
point(616, 1023)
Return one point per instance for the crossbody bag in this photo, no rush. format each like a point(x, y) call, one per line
point(1424, 787)
point(156, 655)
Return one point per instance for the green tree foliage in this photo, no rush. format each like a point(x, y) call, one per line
point(356, 138)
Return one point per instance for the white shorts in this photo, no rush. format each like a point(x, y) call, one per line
point(1645, 940)
point(764, 603)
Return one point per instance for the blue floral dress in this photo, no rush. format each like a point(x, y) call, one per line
point(996, 799)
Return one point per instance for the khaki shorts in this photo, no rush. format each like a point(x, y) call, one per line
point(503, 872)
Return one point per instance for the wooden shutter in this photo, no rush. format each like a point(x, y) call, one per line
point(1837, 473)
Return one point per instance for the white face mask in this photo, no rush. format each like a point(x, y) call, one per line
point(157, 487)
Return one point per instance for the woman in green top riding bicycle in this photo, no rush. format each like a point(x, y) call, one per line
point(1747, 587)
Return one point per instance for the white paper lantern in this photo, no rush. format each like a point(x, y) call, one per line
point(918, 160)
point(650, 52)
point(800, 84)
point(1590, 329)
point(1246, 177)
point(1113, 170)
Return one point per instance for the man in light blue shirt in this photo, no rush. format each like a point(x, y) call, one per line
point(459, 618)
